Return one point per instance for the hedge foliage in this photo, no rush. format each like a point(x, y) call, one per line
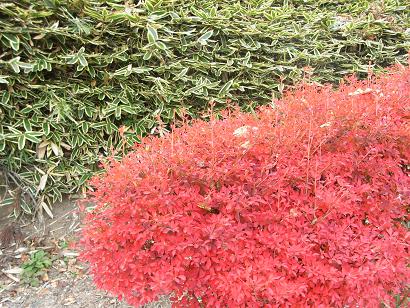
point(73, 71)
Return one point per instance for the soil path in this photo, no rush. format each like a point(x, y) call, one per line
point(66, 283)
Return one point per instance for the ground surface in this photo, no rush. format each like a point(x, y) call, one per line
point(66, 283)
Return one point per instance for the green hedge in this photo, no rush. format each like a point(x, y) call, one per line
point(73, 71)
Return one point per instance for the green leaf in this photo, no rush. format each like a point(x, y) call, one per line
point(204, 37)
point(72, 59)
point(256, 43)
point(13, 130)
point(147, 55)
point(149, 6)
point(246, 60)
point(13, 40)
point(82, 60)
point(181, 74)
point(124, 71)
point(128, 109)
point(7, 202)
point(5, 98)
point(26, 110)
point(46, 128)
point(226, 87)
point(28, 67)
point(14, 63)
point(118, 112)
point(21, 142)
point(110, 128)
point(31, 136)
point(97, 125)
point(152, 35)
point(85, 127)
point(89, 111)
point(27, 125)
point(161, 45)
point(83, 179)
point(3, 79)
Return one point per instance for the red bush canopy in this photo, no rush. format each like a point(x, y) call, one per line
point(303, 203)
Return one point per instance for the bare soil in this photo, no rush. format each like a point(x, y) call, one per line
point(67, 282)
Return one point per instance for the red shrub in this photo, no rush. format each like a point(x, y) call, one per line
point(301, 204)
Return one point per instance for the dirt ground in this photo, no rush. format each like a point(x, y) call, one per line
point(66, 283)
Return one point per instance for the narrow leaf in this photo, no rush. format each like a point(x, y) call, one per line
point(14, 41)
point(206, 35)
point(32, 137)
point(56, 149)
point(3, 79)
point(47, 209)
point(21, 142)
point(152, 35)
point(43, 182)
point(226, 87)
point(82, 60)
point(5, 98)
point(27, 125)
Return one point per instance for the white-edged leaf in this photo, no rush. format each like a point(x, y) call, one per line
point(5, 98)
point(181, 74)
point(28, 67)
point(3, 79)
point(7, 201)
point(21, 142)
point(147, 55)
point(46, 128)
point(140, 70)
point(55, 25)
point(152, 35)
point(39, 170)
point(32, 136)
point(204, 37)
point(161, 45)
point(14, 41)
point(72, 59)
point(14, 63)
point(47, 209)
point(27, 125)
point(85, 126)
point(226, 87)
point(121, 71)
point(83, 60)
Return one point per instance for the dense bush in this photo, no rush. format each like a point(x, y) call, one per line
point(73, 71)
point(305, 202)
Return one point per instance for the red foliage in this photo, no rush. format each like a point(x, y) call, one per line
point(301, 204)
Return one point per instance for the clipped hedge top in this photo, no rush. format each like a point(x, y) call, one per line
point(73, 71)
